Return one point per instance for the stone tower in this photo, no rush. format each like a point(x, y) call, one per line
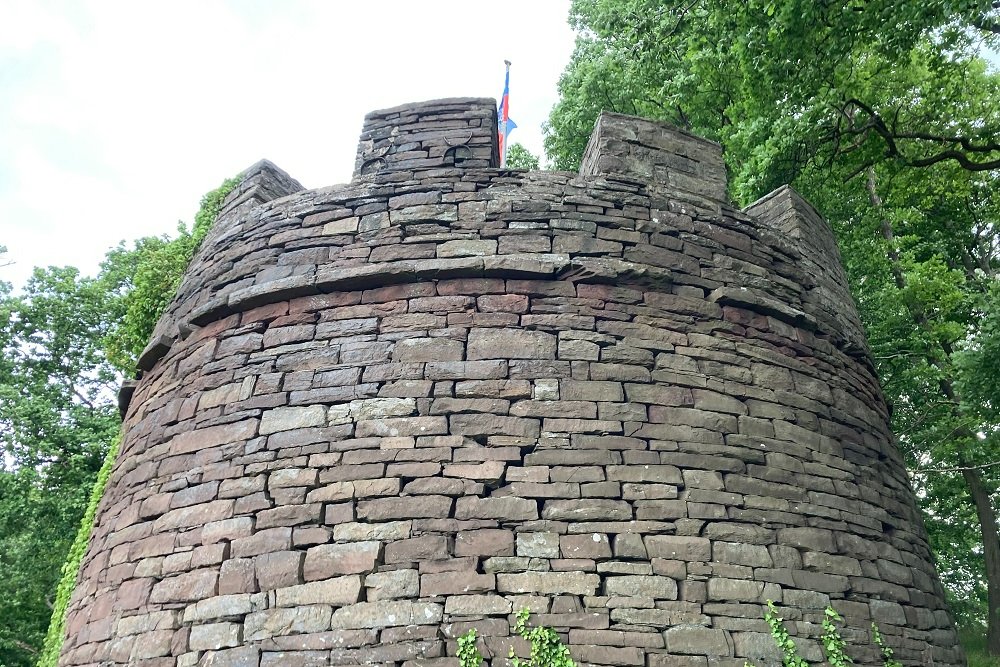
point(379, 414)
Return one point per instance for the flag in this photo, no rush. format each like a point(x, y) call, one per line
point(504, 123)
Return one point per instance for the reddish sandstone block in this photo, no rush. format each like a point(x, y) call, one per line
point(593, 545)
point(473, 425)
point(510, 344)
point(417, 549)
point(237, 575)
point(194, 585)
point(503, 303)
point(278, 569)
point(455, 583)
point(485, 542)
point(470, 286)
point(382, 509)
point(133, 594)
point(396, 292)
point(331, 560)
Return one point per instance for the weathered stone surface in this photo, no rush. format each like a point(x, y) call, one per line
point(287, 419)
point(243, 656)
point(591, 509)
point(678, 547)
point(330, 560)
point(284, 621)
point(338, 592)
point(386, 614)
point(213, 636)
point(509, 509)
point(485, 542)
point(510, 344)
point(392, 585)
point(697, 640)
point(221, 606)
point(538, 545)
point(662, 588)
point(573, 583)
point(195, 585)
point(477, 605)
point(594, 546)
point(380, 414)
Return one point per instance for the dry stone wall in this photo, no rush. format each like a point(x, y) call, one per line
point(380, 414)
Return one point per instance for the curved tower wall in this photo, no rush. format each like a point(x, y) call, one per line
point(380, 414)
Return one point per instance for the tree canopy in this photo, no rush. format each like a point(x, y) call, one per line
point(519, 157)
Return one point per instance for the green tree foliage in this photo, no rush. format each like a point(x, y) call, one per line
point(885, 116)
point(519, 157)
point(56, 420)
point(145, 278)
point(64, 342)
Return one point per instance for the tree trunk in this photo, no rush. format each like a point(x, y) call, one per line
point(979, 493)
point(991, 552)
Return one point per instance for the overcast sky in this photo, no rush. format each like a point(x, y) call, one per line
point(115, 117)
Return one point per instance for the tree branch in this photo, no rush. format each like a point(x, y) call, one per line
point(876, 124)
point(982, 466)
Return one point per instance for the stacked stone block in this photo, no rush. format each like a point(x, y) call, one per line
point(378, 415)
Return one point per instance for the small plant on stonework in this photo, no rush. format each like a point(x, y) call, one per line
point(547, 649)
point(789, 652)
point(886, 652)
point(833, 643)
point(468, 652)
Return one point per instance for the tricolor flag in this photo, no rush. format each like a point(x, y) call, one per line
point(504, 123)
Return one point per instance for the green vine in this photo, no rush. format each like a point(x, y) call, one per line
point(886, 652)
point(49, 656)
point(547, 649)
point(834, 645)
point(789, 652)
point(468, 652)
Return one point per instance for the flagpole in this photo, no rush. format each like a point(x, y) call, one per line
point(506, 110)
point(505, 106)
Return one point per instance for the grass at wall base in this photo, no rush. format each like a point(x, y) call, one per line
point(974, 643)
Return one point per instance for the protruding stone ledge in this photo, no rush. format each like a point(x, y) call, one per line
point(125, 394)
point(156, 350)
point(527, 266)
point(754, 301)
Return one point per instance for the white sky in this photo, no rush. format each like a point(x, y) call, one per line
point(116, 117)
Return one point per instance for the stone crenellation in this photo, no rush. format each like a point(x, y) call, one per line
point(379, 414)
